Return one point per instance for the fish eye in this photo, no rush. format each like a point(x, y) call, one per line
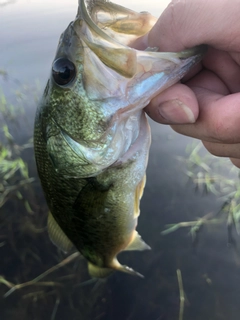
point(63, 71)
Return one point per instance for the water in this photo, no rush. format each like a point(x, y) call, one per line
point(210, 270)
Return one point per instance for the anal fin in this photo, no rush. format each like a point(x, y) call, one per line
point(137, 243)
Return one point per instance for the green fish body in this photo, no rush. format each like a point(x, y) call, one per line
point(91, 136)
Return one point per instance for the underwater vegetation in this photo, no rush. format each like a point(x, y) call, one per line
point(217, 176)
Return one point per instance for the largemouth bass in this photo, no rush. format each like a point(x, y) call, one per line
point(91, 135)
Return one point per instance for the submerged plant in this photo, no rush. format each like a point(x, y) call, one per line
point(13, 169)
point(217, 176)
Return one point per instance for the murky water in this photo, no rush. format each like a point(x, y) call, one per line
point(210, 270)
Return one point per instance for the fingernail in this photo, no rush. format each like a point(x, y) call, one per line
point(175, 111)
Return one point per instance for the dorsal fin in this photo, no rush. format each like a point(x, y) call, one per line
point(57, 236)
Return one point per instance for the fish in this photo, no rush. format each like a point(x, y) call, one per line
point(91, 135)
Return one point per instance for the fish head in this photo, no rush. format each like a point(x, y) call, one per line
point(74, 127)
point(91, 110)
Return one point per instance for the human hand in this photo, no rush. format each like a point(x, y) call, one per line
point(206, 105)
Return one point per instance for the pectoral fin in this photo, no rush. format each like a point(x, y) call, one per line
point(57, 236)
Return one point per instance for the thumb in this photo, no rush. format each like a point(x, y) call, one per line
point(177, 104)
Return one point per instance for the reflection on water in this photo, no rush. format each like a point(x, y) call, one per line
point(210, 270)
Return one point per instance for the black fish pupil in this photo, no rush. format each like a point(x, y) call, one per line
point(63, 71)
point(65, 74)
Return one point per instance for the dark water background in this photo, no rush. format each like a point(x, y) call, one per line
point(29, 33)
